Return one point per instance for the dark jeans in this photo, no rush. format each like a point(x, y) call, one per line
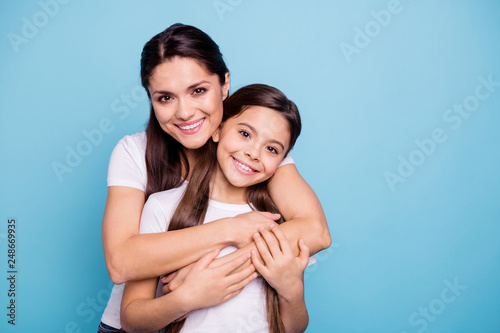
point(103, 328)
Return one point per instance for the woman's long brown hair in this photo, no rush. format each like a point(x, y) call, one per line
point(193, 205)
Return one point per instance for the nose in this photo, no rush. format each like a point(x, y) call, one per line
point(252, 152)
point(185, 111)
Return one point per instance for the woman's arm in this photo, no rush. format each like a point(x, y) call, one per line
point(203, 287)
point(301, 210)
point(285, 273)
point(131, 256)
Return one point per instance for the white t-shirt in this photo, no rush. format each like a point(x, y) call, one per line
point(127, 165)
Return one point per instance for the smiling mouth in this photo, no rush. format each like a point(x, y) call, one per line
point(187, 127)
point(243, 167)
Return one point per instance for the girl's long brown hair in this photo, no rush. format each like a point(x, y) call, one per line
point(165, 157)
point(193, 205)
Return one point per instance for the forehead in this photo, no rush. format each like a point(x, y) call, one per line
point(178, 73)
point(270, 124)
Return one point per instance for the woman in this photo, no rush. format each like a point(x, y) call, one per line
point(187, 81)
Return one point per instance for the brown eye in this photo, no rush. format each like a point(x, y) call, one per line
point(272, 149)
point(245, 134)
point(164, 98)
point(199, 91)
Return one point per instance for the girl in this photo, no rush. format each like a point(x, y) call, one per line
point(186, 80)
point(259, 128)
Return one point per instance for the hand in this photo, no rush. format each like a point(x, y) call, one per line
point(173, 280)
point(245, 225)
point(204, 286)
point(281, 268)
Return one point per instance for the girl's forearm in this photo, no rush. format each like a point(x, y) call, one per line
point(149, 315)
point(293, 310)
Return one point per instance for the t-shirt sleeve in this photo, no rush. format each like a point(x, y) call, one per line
point(153, 219)
point(127, 165)
point(287, 160)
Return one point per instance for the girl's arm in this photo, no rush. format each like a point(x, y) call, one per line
point(130, 256)
point(285, 273)
point(203, 287)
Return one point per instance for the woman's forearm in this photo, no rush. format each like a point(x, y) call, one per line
point(152, 255)
point(301, 208)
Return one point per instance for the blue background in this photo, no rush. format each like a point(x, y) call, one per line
point(370, 92)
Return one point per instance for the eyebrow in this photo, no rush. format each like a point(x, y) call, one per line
point(191, 87)
point(253, 129)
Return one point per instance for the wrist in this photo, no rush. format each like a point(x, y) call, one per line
point(292, 294)
point(183, 300)
point(229, 236)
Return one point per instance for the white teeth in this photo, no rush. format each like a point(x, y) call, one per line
point(244, 167)
point(191, 126)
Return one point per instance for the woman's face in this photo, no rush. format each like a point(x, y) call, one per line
point(187, 100)
point(252, 145)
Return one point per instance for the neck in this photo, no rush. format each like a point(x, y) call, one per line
point(223, 191)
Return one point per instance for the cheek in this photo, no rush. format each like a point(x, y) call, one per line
point(213, 106)
point(163, 114)
point(272, 165)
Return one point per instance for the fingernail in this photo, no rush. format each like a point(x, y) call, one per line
point(262, 229)
point(273, 225)
point(256, 235)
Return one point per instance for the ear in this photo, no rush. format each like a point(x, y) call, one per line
point(225, 86)
point(215, 136)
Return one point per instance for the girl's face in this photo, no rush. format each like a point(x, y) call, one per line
point(251, 146)
point(187, 100)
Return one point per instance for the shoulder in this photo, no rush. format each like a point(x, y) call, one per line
point(127, 164)
point(137, 140)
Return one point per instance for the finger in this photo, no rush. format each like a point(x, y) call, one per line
point(272, 216)
point(233, 264)
point(167, 278)
point(239, 276)
point(283, 241)
point(272, 243)
point(259, 266)
point(240, 285)
point(207, 259)
point(304, 252)
point(166, 289)
point(231, 295)
point(263, 249)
